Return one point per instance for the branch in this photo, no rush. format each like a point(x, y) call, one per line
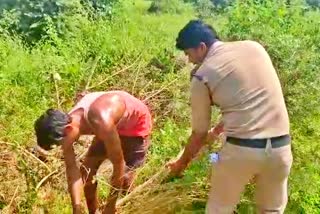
point(164, 172)
point(136, 78)
point(160, 90)
point(37, 159)
point(46, 178)
point(11, 201)
point(56, 77)
point(26, 152)
point(93, 68)
point(117, 72)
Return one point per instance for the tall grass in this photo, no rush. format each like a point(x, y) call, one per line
point(134, 50)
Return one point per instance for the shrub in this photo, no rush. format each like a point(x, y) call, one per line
point(313, 3)
point(169, 6)
point(34, 19)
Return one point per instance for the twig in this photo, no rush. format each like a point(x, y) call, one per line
point(142, 186)
point(61, 172)
point(45, 178)
point(57, 91)
point(160, 90)
point(164, 171)
point(37, 159)
point(109, 77)
point(146, 85)
point(93, 68)
point(82, 155)
point(9, 144)
point(29, 153)
point(136, 77)
point(12, 199)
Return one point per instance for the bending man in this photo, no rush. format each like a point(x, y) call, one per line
point(121, 124)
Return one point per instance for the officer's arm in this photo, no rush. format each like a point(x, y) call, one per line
point(201, 117)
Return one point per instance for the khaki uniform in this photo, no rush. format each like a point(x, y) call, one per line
point(240, 79)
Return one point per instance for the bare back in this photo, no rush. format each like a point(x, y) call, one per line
point(129, 114)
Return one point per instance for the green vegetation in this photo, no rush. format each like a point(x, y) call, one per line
point(76, 45)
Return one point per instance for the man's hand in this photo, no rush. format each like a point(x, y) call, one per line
point(128, 179)
point(214, 133)
point(195, 143)
point(176, 168)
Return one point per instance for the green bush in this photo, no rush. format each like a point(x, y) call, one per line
point(313, 3)
point(169, 6)
point(218, 4)
point(32, 18)
point(36, 19)
point(204, 8)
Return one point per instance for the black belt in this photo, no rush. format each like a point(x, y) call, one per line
point(276, 142)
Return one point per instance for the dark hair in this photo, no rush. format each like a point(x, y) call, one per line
point(194, 33)
point(49, 128)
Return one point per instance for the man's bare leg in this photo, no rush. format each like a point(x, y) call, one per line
point(134, 149)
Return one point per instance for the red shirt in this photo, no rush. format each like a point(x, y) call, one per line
point(136, 120)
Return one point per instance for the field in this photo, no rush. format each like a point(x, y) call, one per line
point(51, 51)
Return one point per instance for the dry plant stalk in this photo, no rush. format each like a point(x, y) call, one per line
point(136, 77)
point(10, 178)
point(56, 77)
point(93, 68)
point(116, 73)
point(45, 178)
point(7, 208)
point(162, 173)
point(26, 152)
point(160, 90)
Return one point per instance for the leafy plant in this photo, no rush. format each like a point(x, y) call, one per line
point(33, 18)
point(313, 3)
point(168, 6)
point(37, 19)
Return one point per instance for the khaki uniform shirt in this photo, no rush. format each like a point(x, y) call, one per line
point(241, 80)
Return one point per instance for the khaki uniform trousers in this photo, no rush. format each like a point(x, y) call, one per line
point(237, 165)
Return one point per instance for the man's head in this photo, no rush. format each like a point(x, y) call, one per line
point(50, 128)
point(195, 39)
